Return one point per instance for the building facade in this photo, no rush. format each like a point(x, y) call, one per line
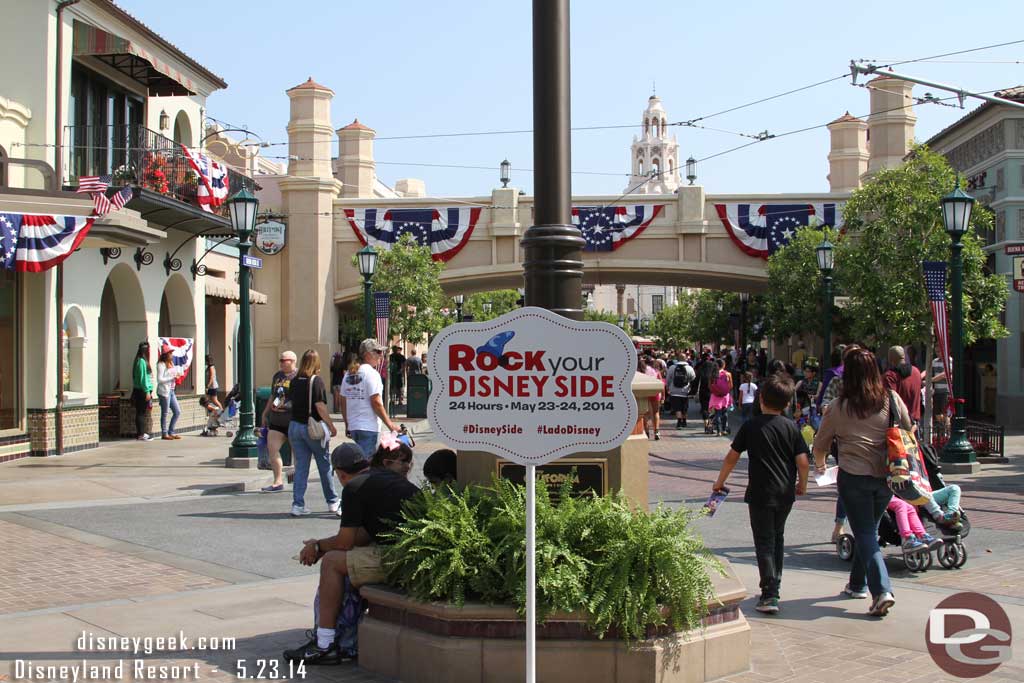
point(98, 93)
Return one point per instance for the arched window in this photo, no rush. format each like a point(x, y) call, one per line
point(647, 126)
point(655, 167)
point(74, 350)
point(664, 125)
point(640, 167)
point(183, 129)
point(671, 167)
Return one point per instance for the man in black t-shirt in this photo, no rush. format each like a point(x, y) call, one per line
point(778, 456)
point(371, 503)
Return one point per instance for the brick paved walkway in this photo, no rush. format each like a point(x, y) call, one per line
point(779, 653)
point(41, 570)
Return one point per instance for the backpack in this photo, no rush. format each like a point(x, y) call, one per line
point(682, 375)
point(720, 387)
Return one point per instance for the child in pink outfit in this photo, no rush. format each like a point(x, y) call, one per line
point(911, 530)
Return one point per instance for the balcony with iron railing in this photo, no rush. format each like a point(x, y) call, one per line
point(154, 166)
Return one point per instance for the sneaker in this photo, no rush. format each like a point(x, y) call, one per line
point(882, 604)
point(143, 437)
point(299, 511)
point(334, 507)
point(910, 544)
point(313, 655)
point(856, 593)
point(767, 605)
point(679, 424)
point(657, 435)
point(272, 489)
point(931, 541)
point(949, 520)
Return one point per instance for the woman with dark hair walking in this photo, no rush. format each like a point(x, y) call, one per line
point(142, 390)
point(858, 420)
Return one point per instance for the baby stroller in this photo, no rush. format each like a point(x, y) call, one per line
point(951, 554)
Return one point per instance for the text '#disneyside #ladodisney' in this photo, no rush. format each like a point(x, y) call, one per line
point(530, 374)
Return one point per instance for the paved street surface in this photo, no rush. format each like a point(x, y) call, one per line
point(152, 539)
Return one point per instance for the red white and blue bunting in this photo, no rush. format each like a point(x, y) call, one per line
point(32, 244)
point(444, 230)
point(762, 229)
point(606, 228)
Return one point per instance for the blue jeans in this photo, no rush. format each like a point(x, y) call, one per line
point(746, 411)
point(720, 420)
point(303, 449)
point(168, 402)
point(367, 441)
point(865, 498)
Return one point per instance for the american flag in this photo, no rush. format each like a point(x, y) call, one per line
point(93, 183)
point(382, 306)
point(96, 185)
point(935, 286)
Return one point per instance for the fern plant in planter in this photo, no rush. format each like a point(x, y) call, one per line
point(626, 570)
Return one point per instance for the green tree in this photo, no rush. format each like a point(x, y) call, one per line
point(796, 286)
point(601, 317)
point(673, 325)
point(501, 300)
point(893, 223)
point(413, 278)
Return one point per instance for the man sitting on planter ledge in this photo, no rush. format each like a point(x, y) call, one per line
point(371, 503)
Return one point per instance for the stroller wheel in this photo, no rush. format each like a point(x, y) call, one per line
point(927, 561)
point(844, 547)
point(942, 553)
point(962, 552)
point(914, 562)
point(952, 555)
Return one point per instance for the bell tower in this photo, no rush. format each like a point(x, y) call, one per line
point(654, 155)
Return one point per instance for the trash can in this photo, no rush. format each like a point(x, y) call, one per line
point(261, 398)
point(417, 394)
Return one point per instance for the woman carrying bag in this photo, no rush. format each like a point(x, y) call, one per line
point(142, 390)
point(167, 374)
point(859, 421)
point(310, 422)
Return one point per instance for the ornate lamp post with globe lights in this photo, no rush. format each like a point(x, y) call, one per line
point(243, 207)
point(825, 264)
point(956, 214)
point(367, 267)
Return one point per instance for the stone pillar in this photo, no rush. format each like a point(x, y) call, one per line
point(891, 122)
point(356, 168)
point(308, 317)
point(848, 156)
point(620, 296)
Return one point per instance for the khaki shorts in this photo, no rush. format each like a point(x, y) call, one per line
point(364, 565)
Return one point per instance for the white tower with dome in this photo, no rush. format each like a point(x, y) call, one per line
point(654, 155)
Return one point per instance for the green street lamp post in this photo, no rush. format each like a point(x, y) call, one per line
point(243, 207)
point(459, 300)
point(825, 254)
point(367, 267)
point(956, 213)
point(744, 303)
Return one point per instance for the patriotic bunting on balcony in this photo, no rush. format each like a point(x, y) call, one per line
point(213, 179)
point(444, 230)
point(762, 229)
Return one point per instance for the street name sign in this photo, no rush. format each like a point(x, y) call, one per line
point(252, 261)
point(532, 386)
point(1014, 249)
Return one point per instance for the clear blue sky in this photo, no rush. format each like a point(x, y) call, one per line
point(410, 68)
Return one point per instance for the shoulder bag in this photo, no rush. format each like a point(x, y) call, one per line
point(907, 477)
point(314, 427)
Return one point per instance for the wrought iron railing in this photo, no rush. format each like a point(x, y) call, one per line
point(986, 439)
point(134, 155)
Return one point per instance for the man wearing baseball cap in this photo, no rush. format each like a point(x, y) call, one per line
point(362, 398)
point(371, 503)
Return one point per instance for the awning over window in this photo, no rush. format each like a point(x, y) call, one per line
point(219, 289)
point(130, 59)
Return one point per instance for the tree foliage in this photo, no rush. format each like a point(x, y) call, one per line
point(601, 317)
point(893, 223)
point(673, 325)
point(501, 300)
point(413, 278)
point(796, 285)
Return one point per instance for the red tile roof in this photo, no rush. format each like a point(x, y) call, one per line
point(846, 117)
point(310, 84)
point(355, 125)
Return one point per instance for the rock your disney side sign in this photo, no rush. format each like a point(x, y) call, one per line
point(532, 386)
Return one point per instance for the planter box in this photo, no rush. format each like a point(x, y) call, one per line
point(418, 642)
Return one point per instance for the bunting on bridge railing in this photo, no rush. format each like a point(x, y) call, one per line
point(606, 228)
point(762, 229)
point(444, 230)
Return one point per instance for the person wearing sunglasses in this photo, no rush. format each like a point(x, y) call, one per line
point(362, 398)
point(277, 415)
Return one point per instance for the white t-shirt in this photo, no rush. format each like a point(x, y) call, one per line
point(357, 390)
point(747, 391)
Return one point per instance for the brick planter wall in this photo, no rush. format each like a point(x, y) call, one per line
point(81, 429)
point(193, 416)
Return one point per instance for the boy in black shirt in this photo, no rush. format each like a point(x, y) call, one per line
point(777, 455)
